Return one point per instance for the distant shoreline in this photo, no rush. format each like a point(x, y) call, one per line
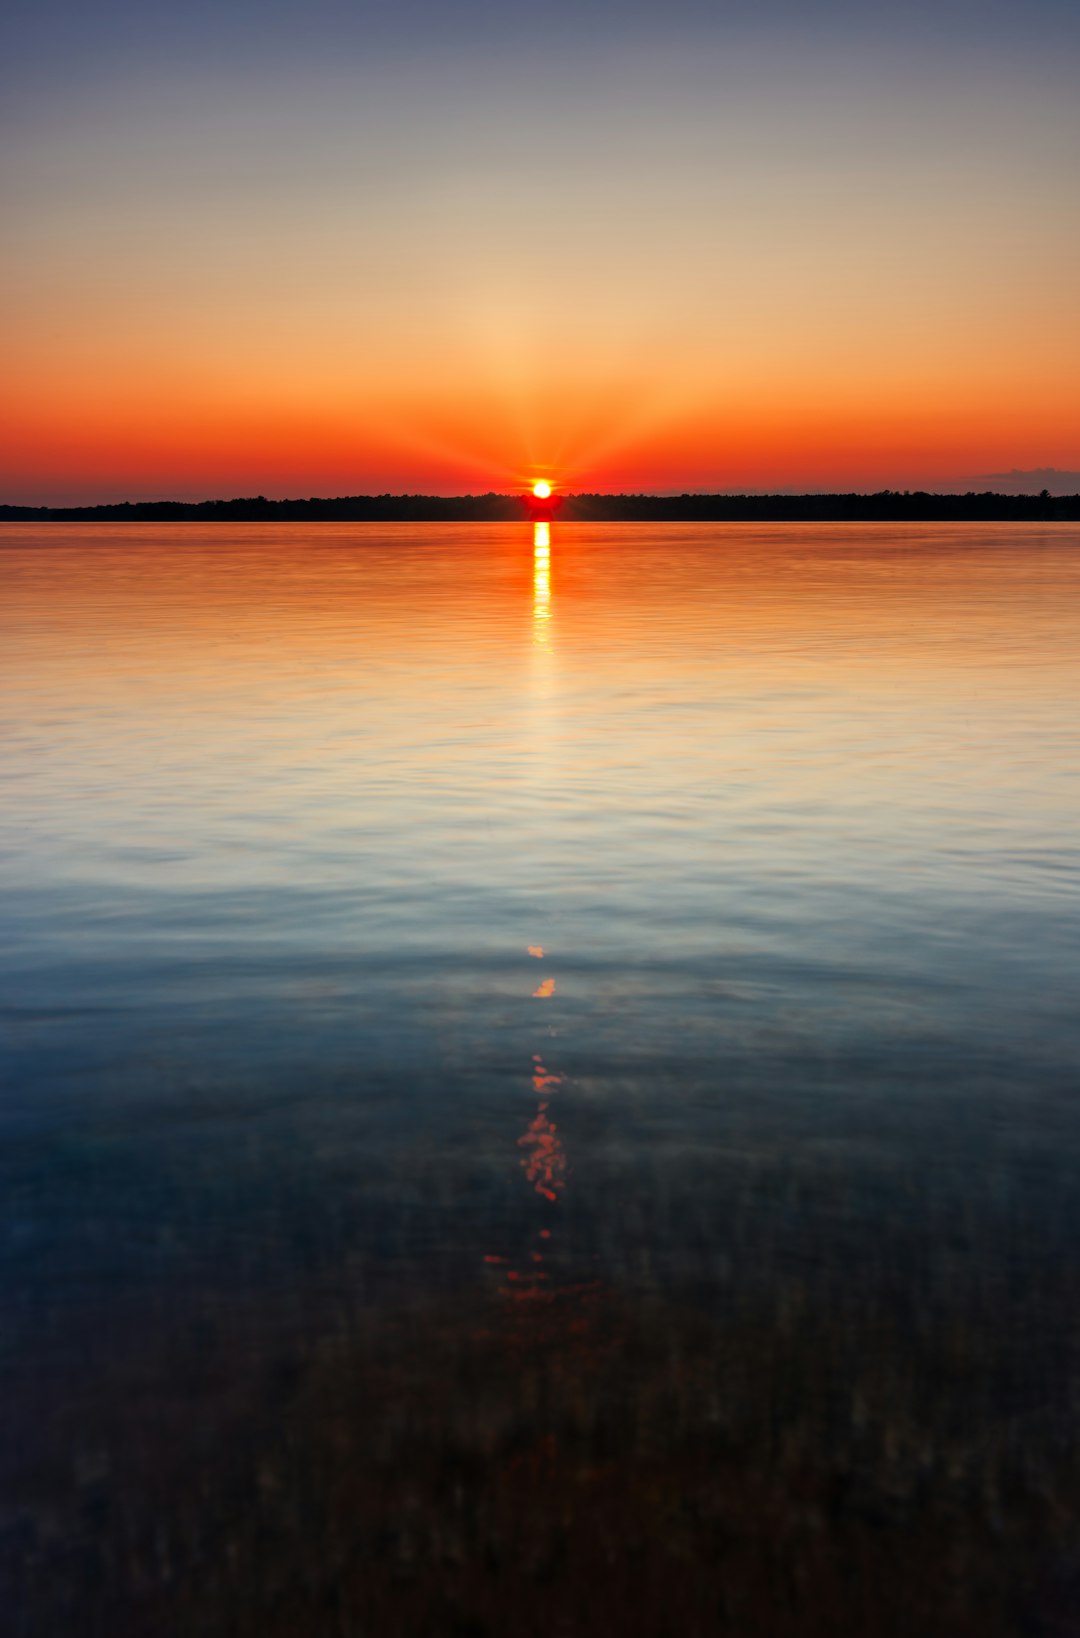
point(886, 505)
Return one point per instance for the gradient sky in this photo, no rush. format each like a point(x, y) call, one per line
point(330, 248)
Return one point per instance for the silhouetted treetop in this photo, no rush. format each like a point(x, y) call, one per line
point(912, 507)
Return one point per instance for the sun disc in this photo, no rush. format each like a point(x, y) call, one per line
point(542, 489)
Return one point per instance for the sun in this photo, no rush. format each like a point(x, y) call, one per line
point(542, 489)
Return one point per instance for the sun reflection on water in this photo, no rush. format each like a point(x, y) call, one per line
point(545, 1163)
point(541, 582)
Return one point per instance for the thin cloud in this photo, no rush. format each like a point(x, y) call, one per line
point(1027, 481)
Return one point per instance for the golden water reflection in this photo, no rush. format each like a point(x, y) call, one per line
point(545, 1163)
point(541, 582)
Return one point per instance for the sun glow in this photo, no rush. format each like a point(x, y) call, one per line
point(542, 489)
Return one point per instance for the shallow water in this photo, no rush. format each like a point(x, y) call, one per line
point(540, 1079)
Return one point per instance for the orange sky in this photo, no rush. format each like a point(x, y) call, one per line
point(669, 273)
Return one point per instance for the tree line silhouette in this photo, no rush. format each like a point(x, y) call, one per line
point(915, 506)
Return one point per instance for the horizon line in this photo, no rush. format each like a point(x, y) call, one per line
point(524, 499)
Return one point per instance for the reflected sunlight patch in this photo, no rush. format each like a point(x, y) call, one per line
point(545, 1165)
point(547, 987)
point(543, 1079)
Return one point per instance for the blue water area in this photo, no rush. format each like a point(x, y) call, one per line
point(540, 1074)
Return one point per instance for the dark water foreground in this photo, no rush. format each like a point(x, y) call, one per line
point(540, 1081)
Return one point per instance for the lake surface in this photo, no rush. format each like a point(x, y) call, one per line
point(540, 1080)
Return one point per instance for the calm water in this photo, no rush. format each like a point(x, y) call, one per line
point(540, 1080)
